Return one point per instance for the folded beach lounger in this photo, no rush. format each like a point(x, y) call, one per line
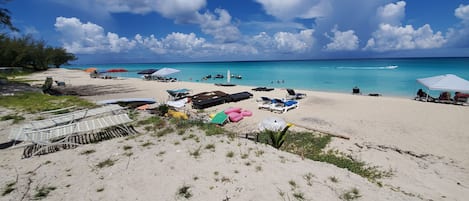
point(220, 118)
point(283, 106)
point(262, 89)
point(61, 119)
point(61, 135)
point(240, 96)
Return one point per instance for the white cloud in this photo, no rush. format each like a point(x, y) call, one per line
point(290, 9)
point(391, 13)
point(167, 8)
point(389, 38)
point(87, 37)
point(346, 40)
point(285, 42)
point(462, 12)
point(220, 28)
point(174, 43)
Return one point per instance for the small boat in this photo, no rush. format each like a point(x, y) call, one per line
point(237, 76)
point(225, 84)
point(219, 76)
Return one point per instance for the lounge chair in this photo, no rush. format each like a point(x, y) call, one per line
point(177, 94)
point(61, 119)
point(283, 106)
point(64, 135)
point(220, 118)
point(445, 97)
point(293, 95)
point(422, 96)
point(264, 103)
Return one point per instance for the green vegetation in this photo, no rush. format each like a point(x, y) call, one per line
point(30, 53)
point(312, 146)
point(185, 192)
point(87, 152)
point(351, 195)
point(277, 138)
point(42, 102)
point(230, 154)
point(16, 118)
point(9, 188)
point(196, 153)
point(43, 192)
point(106, 163)
point(126, 147)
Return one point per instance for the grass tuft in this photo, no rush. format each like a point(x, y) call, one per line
point(352, 194)
point(106, 163)
point(185, 192)
point(43, 192)
point(16, 118)
point(87, 152)
point(10, 187)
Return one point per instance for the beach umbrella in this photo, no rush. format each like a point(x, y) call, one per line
point(147, 71)
point(90, 70)
point(272, 124)
point(116, 70)
point(165, 72)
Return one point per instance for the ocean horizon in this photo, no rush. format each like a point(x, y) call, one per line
point(388, 77)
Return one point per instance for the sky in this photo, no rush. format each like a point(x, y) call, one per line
point(141, 31)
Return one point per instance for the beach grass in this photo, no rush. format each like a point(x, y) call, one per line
point(312, 146)
point(42, 102)
point(9, 188)
point(43, 192)
point(16, 118)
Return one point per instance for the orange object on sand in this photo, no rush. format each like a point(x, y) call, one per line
point(143, 107)
point(90, 70)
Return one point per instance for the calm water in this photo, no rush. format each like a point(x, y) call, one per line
point(390, 77)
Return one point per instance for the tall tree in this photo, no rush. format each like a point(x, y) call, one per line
point(5, 19)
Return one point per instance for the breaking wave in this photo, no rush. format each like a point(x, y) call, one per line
point(368, 68)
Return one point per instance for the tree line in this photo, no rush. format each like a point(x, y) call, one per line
point(26, 51)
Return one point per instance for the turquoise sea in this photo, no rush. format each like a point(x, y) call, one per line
point(389, 77)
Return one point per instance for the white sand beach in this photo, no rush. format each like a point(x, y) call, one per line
point(423, 145)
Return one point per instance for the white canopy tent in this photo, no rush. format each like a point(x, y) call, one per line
point(448, 82)
point(165, 72)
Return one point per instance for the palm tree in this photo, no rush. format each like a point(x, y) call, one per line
point(5, 19)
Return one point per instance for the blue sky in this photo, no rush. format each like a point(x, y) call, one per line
point(103, 31)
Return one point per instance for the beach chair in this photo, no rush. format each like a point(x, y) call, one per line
point(61, 119)
point(177, 94)
point(65, 134)
point(220, 118)
point(283, 106)
point(293, 95)
point(423, 96)
point(264, 103)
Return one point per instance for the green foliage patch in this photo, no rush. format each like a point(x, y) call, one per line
point(312, 145)
point(38, 102)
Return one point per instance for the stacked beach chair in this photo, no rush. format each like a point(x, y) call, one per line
point(71, 129)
